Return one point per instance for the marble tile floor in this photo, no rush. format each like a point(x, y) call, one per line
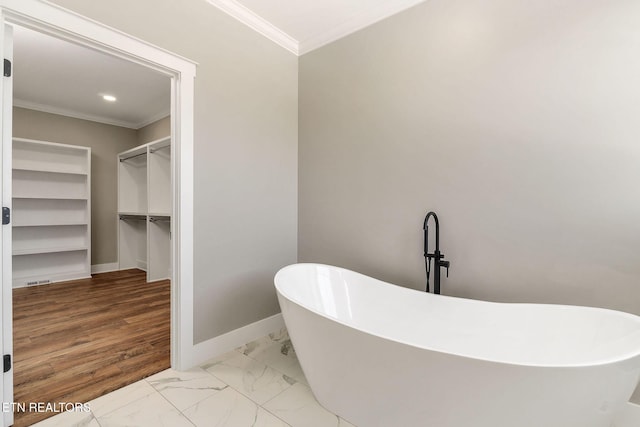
point(259, 384)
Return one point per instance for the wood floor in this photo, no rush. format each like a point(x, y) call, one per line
point(77, 340)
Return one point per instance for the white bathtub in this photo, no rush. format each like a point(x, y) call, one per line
point(382, 355)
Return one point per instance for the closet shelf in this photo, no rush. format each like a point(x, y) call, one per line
point(48, 197)
point(50, 224)
point(159, 144)
point(51, 186)
point(132, 153)
point(69, 224)
point(48, 170)
point(34, 251)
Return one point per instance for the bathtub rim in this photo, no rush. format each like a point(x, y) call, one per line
point(624, 358)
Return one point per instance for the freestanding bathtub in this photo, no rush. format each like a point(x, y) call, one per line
point(383, 355)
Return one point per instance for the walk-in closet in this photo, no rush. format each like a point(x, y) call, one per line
point(90, 222)
point(144, 209)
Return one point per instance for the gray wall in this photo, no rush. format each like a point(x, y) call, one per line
point(245, 152)
point(156, 130)
point(106, 141)
point(517, 122)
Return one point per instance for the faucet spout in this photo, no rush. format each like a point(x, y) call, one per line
point(425, 227)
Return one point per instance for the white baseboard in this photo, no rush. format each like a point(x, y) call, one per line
point(629, 416)
point(214, 347)
point(104, 268)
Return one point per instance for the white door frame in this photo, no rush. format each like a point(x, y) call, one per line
point(59, 22)
point(6, 309)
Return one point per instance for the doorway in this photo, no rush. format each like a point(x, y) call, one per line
point(56, 21)
point(77, 337)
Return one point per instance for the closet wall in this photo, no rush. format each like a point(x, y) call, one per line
point(155, 131)
point(106, 141)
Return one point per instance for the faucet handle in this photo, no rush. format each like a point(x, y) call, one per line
point(446, 265)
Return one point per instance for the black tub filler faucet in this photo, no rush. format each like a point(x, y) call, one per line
point(436, 255)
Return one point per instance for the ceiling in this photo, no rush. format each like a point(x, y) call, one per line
point(60, 77)
point(304, 25)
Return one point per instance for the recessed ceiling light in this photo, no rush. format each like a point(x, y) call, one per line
point(109, 98)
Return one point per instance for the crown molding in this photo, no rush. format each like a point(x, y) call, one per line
point(90, 117)
point(358, 22)
point(250, 19)
point(161, 115)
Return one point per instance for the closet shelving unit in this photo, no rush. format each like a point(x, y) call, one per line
point(144, 209)
point(51, 218)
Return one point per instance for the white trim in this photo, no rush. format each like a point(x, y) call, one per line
point(358, 22)
point(49, 18)
point(182, 100)
point(20, 103)
point(629, 416)
point(221, 344)
point(152, 119)
point(104, 268)
point(300, 47)
point(54, 20)
point(90, 117)
point(6, 259)
point(257, 23)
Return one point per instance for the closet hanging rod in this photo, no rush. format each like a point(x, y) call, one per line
point(151, 150)
point(159, 219)
point(135, 155)
point(136, 217)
